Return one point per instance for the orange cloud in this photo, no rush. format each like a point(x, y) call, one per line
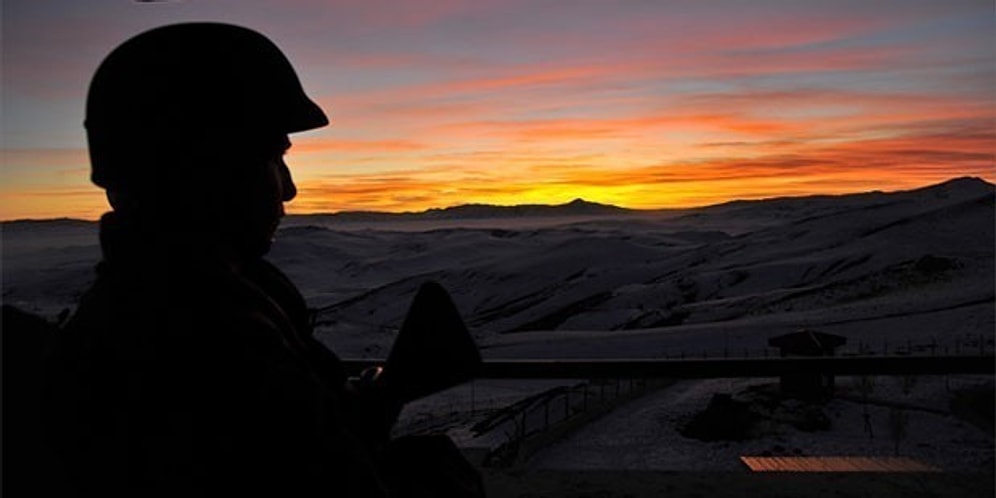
point(319, 145)
point(917, 154)
point(49, 202)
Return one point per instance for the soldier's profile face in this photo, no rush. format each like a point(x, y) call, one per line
point(256, 198)
point(279, 182)
point(277, 187)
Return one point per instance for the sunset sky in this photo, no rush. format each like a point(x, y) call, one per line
point(643, 104)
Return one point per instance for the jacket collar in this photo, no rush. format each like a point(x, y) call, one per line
point(125, 241)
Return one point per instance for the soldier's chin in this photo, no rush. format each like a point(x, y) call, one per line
point(260, 248)
point(261, 242)
point(253, 247)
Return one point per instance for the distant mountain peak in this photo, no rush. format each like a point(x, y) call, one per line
point(965, 181)
point(575, 207)
point(963, 185)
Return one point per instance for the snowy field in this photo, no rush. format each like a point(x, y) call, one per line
point(898, 273)
point(644, 435)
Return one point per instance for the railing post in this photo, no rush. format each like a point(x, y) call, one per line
point(522, 426)
point(546, 415)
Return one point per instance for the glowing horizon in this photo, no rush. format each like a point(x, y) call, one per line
point(659, 105)
point(694, 200)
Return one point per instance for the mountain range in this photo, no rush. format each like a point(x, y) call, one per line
point(920, 260)
point(845, 262)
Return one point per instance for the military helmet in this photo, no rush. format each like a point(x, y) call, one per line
point(189, 83)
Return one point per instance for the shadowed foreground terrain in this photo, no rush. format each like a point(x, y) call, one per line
point(895, 273)
point(541, 484)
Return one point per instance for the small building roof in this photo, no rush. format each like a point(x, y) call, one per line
point(835, 464)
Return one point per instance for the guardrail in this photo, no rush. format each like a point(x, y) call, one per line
point(599, 384)
point(719, 367)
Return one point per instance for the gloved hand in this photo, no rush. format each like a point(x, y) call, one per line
point(373, 409)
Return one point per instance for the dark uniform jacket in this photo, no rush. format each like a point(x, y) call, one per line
point(184, 373)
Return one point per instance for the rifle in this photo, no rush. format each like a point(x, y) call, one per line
point(432, 352)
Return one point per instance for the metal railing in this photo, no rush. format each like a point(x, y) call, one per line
point(597, 385)
point(719, 367)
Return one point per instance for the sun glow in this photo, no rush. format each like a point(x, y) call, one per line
point(659, 107)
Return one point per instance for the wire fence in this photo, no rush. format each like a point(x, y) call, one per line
point(551, 413)
point(517, 429)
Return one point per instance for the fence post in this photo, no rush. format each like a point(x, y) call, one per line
point(546, 415)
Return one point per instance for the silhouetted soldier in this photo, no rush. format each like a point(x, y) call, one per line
point(189, 367)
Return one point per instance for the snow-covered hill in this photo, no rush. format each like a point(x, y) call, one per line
point(599, 274)
point(814, 259)
point(896, 272)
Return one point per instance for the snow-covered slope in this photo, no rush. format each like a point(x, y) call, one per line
point(604, 274)
point(47, 264)
point(818, 259)
point(896, 272)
